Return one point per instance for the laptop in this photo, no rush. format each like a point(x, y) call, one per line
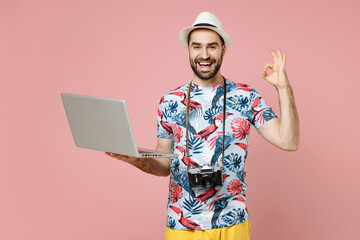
point(103, 124)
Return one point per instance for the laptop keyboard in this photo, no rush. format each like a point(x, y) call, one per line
point(149, 154)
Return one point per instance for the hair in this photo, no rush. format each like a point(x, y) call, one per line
point(188, 40)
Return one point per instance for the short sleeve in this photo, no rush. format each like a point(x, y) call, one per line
point(262, 112)
point(164, 129)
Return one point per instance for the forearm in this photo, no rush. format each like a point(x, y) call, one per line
point(156, 166)
point(289, 129)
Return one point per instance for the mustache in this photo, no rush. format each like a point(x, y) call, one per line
point(209, 59)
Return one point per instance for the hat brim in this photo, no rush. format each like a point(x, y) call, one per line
point(183, 35)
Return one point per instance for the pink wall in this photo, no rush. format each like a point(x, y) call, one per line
point(52, 190)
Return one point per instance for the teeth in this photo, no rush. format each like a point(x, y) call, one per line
point(205, 64)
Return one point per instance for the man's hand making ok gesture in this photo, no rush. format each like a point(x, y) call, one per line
point(277, 77)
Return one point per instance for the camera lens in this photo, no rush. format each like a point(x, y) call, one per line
point(207, 181)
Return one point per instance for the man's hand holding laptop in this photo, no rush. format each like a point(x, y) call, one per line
point(155, 166)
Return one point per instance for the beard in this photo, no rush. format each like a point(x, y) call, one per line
point(207, 75)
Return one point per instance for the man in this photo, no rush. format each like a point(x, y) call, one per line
point(207, 122)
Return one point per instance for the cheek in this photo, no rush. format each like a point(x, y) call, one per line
point(218, 59)
point(193, 58)
point(218, 55)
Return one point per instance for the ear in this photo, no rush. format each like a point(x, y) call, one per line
point(224, 49)
point(188, 49)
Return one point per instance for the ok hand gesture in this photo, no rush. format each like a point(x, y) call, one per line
point(278, 76)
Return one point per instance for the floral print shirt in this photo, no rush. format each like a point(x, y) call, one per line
point(215, 207)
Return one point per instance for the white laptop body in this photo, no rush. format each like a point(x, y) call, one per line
point(103, 124)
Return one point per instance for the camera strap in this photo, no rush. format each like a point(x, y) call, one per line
point(187, 125)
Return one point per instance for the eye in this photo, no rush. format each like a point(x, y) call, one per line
point(196, 47)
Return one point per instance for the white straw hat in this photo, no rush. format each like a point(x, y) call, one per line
point(205, 20)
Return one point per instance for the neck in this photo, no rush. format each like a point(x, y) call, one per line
point(209, 82)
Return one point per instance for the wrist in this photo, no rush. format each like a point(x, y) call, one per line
point(285, 87)
point(143, 164)
point(137, 162)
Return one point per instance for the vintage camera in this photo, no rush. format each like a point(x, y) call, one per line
point(205, 176)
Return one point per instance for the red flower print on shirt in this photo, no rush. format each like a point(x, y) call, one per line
point(234, 187)
point(176, 192)
point(261, 119)
point(240, 128)
point(241, 85)
point(177, 131)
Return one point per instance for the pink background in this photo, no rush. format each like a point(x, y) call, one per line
point(52, 190)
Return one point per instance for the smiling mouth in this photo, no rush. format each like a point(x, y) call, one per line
point(205, 65)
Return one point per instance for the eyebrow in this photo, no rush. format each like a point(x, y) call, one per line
point(197, 43)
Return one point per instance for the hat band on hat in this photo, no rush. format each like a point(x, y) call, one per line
point(209, 21)
point(204, 25)
point(207, 25)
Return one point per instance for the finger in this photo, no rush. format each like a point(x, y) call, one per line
point(114, 155)
point(266, 77)
point(266, 67)
point(273, 54)
point(280, 58)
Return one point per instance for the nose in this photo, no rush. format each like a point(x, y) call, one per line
point(204, 54)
